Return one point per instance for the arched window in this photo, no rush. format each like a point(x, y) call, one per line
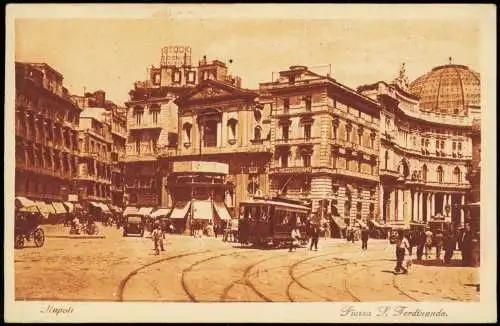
point(232, 123)
point(358, 210)
point(424, 173)
point(186, 127)
point(440, 174)
point(457, 175)
point(257, 133)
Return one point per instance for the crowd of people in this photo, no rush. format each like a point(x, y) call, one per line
point(425, 241)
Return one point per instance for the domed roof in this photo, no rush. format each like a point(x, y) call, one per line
point(448, 89)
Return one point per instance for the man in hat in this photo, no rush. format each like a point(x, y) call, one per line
point(364, 238)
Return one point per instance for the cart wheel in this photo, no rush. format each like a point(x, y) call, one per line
point(39, 237)
point(19, 241)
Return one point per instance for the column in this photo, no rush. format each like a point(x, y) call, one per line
point(433, 204)
point(219, 134)
point(414, 202)
point(443, 205)
point(400, 204)
point(381, 200)
point(392, 206)
point(462, 213)
point(420, 206)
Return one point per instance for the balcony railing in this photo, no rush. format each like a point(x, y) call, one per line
point(389, 173)
point(356, 174)
point(296, 141)
point(144, 125)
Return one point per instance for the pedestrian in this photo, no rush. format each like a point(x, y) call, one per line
point(295, 238)
point(420, 242)
point(438, 241)
point(428, 243)
point(314, 237)
point(449, 246)
point(411, 241)
point(401, 246)
point(466, 245)
point(157, 235)
point(364, 238)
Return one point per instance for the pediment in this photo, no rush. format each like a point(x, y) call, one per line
point(214, 90)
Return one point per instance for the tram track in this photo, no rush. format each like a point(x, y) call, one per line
point(123, 283)
point(186, 270)
point(249, 272)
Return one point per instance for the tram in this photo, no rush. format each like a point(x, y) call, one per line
point(266, 221)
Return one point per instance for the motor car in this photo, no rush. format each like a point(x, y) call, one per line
point(133, 224)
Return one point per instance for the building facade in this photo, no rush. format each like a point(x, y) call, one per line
point(46, 131)
point(425, 144)
point(221, 122)
point(325, 145)
point(94, 169)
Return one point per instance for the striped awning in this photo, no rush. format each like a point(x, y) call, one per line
point(161, 212)
point(180, 209)
point(59, 207)
point(222, 212)
point(202, 210)
point(130, 210)
point(145, 211)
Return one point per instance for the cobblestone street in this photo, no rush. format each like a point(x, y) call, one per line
point(119, 268)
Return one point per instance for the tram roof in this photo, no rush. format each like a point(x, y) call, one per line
point(274, 202)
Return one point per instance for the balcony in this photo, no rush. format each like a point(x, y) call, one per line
point(140, 157)
point(290, 170)
point(357, 175)
point(389, 173)
point(296, 141)
point(138, 126)
point(86, 177)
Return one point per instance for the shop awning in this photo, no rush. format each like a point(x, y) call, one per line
point(145, 211)
point(202, 210)
point(78, 206)
point(180, 209)
point(69, 206)
point(45, 209)
point(29, 209)
point(24, 202)
point(361, 223)
point(377, 224)
point(116, 209)
point(130, 210)
point(222, 212)
point(160, 212)
point(95, 204)
point(105, 208)
point(340, 222)
point(59, 207)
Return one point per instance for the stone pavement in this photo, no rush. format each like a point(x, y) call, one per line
point(125, 268)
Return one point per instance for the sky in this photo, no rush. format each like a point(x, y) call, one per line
point(111, 54)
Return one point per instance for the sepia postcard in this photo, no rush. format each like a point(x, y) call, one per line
point(250, 163)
